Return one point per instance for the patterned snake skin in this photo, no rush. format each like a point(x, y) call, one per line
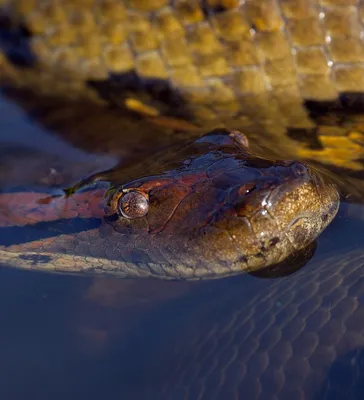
point(249, 65)
point(299, 337)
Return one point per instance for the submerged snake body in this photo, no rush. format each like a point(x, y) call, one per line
point(298, 337)
point(214, 210)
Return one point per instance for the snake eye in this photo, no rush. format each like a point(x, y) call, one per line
point(133, 204)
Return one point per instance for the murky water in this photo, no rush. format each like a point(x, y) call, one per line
point(238, 338)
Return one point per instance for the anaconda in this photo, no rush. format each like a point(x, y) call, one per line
point(211, 210)
point(247, 65)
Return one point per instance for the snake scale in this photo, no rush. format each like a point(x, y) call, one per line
point(254, 65)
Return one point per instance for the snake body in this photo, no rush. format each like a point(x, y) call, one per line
point(258, 65)
point(300, 336)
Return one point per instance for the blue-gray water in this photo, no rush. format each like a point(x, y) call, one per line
point(84, 338)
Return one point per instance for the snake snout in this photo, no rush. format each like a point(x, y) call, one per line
point(285, 211)
point(303, 206)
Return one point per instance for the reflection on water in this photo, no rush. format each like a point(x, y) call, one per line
point(31, 157)
point(242, 337)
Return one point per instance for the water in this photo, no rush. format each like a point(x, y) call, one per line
point(242, 337)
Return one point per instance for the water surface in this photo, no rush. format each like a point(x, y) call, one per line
point(90, 338)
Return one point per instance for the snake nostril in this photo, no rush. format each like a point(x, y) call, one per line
point(273, 241)
point(291, 167)
point(299, 168)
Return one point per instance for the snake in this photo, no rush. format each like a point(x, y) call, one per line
point(290, 75)
point(220, 210)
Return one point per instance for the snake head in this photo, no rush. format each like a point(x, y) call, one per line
point(217, 209)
